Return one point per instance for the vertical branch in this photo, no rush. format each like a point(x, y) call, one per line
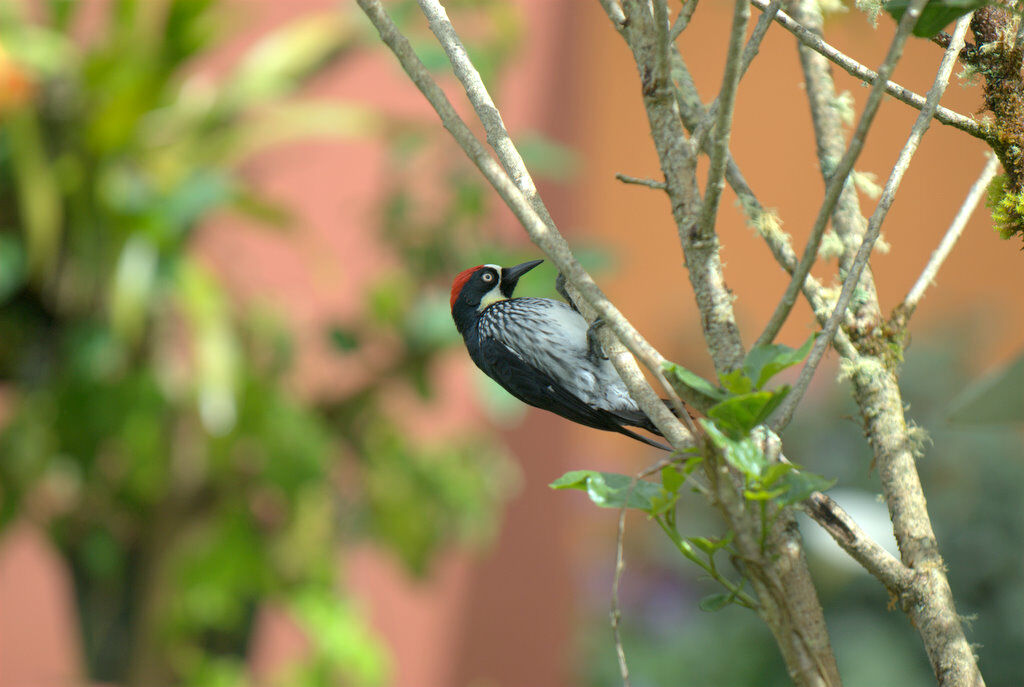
point(837, 177)
point(723, 124)
point(860, 261)
point(678, 163)
point(692, 112)
point(749, 53)
point(929, 601)
point(773, 558)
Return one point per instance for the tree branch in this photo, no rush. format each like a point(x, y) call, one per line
point(650, 50)
point(859, 71)
point(896, 577)
point(881, 210)
point(837, 178)
point(773, 555)
point(929, 604)
point(764, 221)
point(683, 20)
point(723, 120)
point(749, 53)
point(950, 238)
point(649, 183)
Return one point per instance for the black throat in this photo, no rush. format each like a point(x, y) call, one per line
point(465, 316)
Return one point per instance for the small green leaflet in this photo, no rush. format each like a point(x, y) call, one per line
point(703, 394)
point(671, 479)
point(739, 415)
point(765, 361)
point(716, 602)
point(710, 546)
point(610, 489)
point(737, 382)
point(936, 15)
point(743, 454)
point(799, 485)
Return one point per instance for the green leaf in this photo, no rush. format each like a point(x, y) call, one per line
point(285, 58)
point(270, 213)
point(739, 415)
point(702, 394)
point(662, 502)
point(129, 300)
point(611, 490)
point(799, 485)
point(761, 494)
point(716, 602)
point(776, 471)
point(342, 338)
point(936, 15)
point(671, 479)
point(765, 361)
point(12, 265)
point(428, 323)
point(61, 12)
point(710, 546)
point(38, 191)
point(285, 122)
point(737, 382)
point(202, 191)
point(744, 454)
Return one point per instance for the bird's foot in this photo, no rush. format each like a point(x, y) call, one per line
point(560, 288)
point(593, 345)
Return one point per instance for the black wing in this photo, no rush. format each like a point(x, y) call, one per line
point(536, 388)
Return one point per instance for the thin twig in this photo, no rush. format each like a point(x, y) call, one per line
point(497, 136)
point(951, 236)
point(683, 20)
point(614, 11)
point(968, 54)
point(858, 70)
point(749, 53)
point(837, 180)
point(616, 613)
point(640, 181)
point(878, 216)
point(650, 49)
point(881, 564)
point(691, 110)
point(723, 124)
point(875, 388)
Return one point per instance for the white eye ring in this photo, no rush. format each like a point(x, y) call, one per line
point(488, 277)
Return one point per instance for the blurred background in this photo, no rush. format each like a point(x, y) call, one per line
point(240, 442)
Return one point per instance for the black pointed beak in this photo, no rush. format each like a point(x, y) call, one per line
point(510, 275)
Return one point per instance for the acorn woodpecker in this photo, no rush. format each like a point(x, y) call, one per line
point(541, 351)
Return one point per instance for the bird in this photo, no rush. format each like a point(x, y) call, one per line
point(542, 351)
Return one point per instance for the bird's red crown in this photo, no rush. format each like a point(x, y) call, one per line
point(460, 280)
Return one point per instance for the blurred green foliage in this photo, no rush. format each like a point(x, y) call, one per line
point(150, 427)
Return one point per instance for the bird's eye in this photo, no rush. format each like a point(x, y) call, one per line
point(488, 277)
